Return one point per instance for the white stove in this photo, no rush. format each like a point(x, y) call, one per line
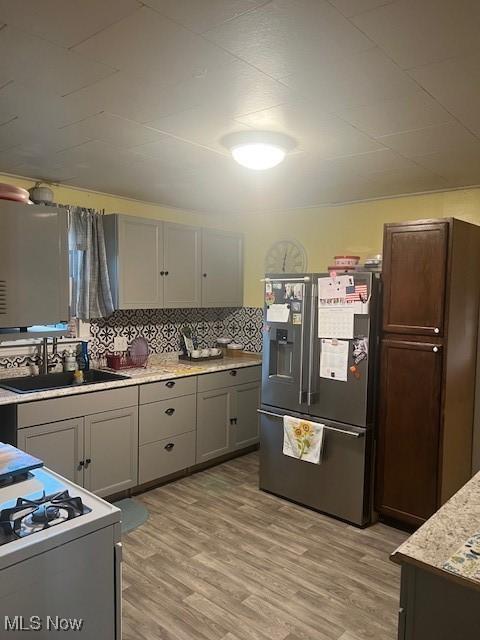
point(60, 559)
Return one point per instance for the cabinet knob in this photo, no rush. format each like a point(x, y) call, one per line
point(169, 446)
point(204, 275)
point(162, 273)
point(435, 349)
point(170, 384)
point(81, 463)
point(170, 411)
point(166, 273)
point(88, 461)
point(436, 330)
point(233, 372)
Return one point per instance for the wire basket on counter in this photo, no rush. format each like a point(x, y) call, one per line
point(126, 361)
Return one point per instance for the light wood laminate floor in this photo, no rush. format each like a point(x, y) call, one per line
point(218, 559)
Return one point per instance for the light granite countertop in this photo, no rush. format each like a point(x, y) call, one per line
point(159, 368)
point(431, 546)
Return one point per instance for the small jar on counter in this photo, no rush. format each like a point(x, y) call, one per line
point(222, 344)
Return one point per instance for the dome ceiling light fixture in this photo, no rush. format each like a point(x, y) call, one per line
point(258, 150)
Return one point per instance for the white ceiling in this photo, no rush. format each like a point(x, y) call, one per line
point(133, 98)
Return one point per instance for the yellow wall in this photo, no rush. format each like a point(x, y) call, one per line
point(324, 231)
point(354, 229)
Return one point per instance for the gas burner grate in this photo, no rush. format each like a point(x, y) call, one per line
point(29, 516)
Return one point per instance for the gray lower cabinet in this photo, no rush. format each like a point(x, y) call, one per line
point(99, 452)
point(164, 457)
point(111, 451)
point(59, 444)
point(227, 420)
point(246, 427)
point(214, 413)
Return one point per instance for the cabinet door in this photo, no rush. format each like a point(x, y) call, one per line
point(59, 445)
point(414, 274)
point(409, 429)
point(246, 424)
point(222, 269)
point(111, 451)
point(213, 424)
point(140, 261)
point(182, 265)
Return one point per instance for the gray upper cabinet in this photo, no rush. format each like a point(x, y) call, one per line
point(222, 269)
point(182, 264)
point(154, 264)
point(111, 451)
point(34, 280)
point(135, 261)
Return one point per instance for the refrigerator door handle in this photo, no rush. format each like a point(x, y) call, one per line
point(353, 434)
point(310, 394)
point(302, 340)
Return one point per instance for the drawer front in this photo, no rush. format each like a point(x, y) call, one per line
point(167, 389)
point(159, 420)
point(159, 459)
point(229, 378)
point(84, 404)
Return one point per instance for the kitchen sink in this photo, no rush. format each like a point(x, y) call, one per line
point(44, 382)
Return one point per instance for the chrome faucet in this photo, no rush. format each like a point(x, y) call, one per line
point(47, 366)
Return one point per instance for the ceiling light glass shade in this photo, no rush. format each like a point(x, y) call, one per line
point(258, 155)
point(258, 150)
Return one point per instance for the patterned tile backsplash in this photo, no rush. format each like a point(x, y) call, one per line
point(161, 329)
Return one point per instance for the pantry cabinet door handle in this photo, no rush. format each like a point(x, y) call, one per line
point(81, 463)
point(170, 384)
point(169, 446)
point(170, 411)
point(88, 461)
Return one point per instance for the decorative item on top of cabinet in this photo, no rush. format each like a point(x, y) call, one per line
point(427, 375)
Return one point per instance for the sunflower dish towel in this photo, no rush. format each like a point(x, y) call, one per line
point(302, 439)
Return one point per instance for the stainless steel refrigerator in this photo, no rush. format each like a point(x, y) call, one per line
point(297, 381)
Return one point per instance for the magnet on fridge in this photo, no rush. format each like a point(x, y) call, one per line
point(268, 287)
point(269, 298)
point(297, 318)
point(298, 291)
point(277, 285)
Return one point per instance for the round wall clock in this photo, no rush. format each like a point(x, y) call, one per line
point(286, 256)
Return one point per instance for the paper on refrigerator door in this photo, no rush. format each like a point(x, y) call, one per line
point(334, 359)
point(332, 288)
point(335, 322)
point(278, 313)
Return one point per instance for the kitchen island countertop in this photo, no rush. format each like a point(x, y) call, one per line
point(159, 368)
point(433, 544)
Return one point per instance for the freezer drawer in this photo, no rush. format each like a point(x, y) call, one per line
point(338, 486)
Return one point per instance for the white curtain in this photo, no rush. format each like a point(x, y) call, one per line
point(91, 296)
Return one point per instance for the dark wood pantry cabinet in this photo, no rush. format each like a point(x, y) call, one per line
point(427, 368)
